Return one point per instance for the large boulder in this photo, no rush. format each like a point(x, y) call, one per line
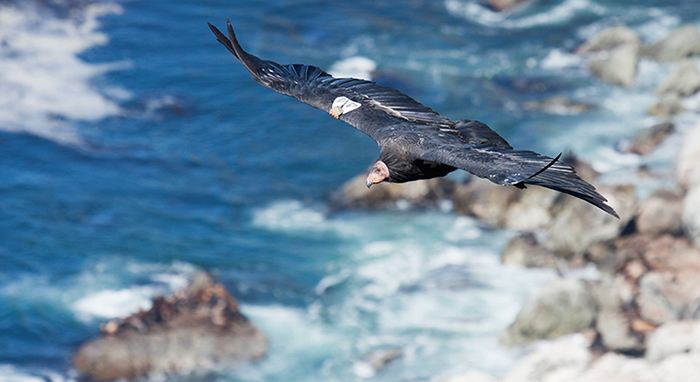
point(661, 213)
point(422, 193)
point(194, 328)
point(617, 53)
point(687, 171)
point(552, 362)
point(615, 296)
point(524, 250)
point(666, 296)
point(562, 306)
point(577, 225)
point(691, 214)
point(683, 80)
point(648, 139)
point(682, 43)
point(674, 337)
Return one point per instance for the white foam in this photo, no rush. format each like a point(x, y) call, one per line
point(355, 67)
point(558, 14)
point(10, 373)
point(114, 303)
point(556, 59)
point(288, 215)
point(45, 84)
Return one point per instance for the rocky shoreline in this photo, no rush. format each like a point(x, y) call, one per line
point(639, 319)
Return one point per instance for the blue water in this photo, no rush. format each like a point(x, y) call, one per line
point(136, 151)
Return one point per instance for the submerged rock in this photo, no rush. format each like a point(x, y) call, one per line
point(559, 106)
point(669, 104)
point(197, 327)
point(682, 43)
point(502, 5)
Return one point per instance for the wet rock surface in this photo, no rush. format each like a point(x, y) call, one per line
point(199, 327)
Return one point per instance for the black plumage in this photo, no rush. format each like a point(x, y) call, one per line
point(415, 142)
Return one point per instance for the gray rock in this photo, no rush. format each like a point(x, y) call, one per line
point(666, 296)
point(484, 200)
point(552, 362)
point(613, 367)
point(687, 171)
point(618, 53)
point(683, 80)
point(661, 213)
point(614, 296)
point(669, 104)
point(679, 368)
point(646, 140)
point(682, 43)
point(200, 327)
point(355, 194)
point(674, 337)
point(691, 215)
point(578, 226)
point(470, 376)
point(524, 250)
point(562, 306)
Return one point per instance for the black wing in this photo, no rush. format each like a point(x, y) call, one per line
point(508, 167)
point(382, 110)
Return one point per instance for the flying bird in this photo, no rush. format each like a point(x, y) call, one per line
point(415, 142)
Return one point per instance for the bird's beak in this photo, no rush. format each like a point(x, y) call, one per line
point(369, 182)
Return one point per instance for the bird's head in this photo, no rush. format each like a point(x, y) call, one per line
point(377, 174)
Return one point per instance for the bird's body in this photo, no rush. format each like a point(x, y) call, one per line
point(415, 142)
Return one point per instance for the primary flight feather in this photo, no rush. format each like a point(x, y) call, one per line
point(415, 142)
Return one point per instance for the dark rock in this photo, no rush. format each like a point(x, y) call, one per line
point(562, 306)
point(661, 213)
point(376, 360)
point(683, 80)
point(524, 250)
point(194, 328)
point(617, 51)
point(682, 43)
point(646, 140)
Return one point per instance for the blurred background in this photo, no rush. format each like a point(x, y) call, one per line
point(135, 151)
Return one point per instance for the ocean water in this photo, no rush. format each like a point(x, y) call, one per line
point(135, 151)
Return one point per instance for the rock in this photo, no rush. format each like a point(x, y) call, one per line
point(524, 250)
point(682, 43)
point(661, 213)
point(614, 296)
point(666, 296)
point(559, 106)
point(553, 362)
point(613, 367)
point(679, 368)
point(687, 171)
point(560, 307)
point(618, 49)
point(577, 225)
point(691, 215)
point(683, 80)
point(646, 140)
point(198, 327)
point(668, 105)
point(674, 337)
point(355, 194)
point(502, 5)
point(470, 376)
point(484, 200)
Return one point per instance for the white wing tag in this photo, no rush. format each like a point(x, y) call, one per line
point(342, 105)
